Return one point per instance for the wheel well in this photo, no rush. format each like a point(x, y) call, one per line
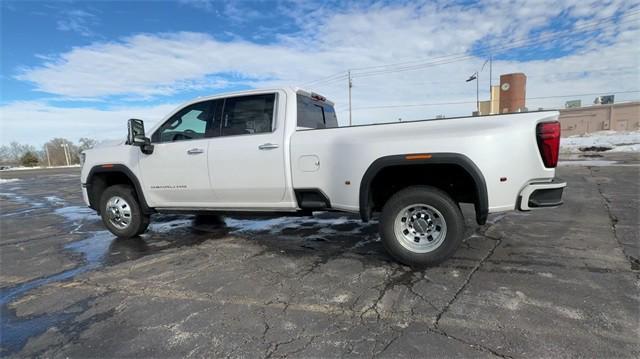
point(101, 179)
point(455, 174)
point(450, 178)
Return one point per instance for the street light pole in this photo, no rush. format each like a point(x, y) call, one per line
point(471, 78)
point(350, 86)
point(476, 77)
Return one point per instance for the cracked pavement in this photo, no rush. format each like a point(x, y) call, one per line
point(563, 282)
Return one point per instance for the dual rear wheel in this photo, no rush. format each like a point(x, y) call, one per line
point(421, 226)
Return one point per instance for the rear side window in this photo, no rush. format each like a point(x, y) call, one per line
point(315, 114)
point(246, 115)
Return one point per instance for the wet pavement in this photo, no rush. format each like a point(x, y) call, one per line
point(561, 282)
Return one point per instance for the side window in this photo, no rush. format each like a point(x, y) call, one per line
point(248, 115)
point(187, 124)
point(330, 118)
point(315, 114)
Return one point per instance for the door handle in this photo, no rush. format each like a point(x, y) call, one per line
point(195, 151)
point(268, 146)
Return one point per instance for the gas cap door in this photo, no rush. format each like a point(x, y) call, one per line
point(309, 163)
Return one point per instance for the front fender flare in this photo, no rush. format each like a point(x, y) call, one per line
point(116, 168)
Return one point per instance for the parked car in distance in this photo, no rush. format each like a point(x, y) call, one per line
point(281, 150)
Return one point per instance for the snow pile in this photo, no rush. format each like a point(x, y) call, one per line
point(610, 141)
point(8, 180)
point(23, 168)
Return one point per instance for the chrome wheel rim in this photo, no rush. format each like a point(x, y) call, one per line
point(420, 228)
point(118, 212)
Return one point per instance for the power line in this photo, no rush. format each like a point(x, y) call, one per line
point(585, 72)
point(447, 59)
point(484, 51)
point(583, 26)
point(469, 102)
point(341, 74)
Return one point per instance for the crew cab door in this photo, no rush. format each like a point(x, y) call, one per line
point(247, 160)
point(176, 174)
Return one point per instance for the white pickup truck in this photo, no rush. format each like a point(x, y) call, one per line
point(281, 150)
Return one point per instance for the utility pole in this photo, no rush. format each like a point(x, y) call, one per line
point(491, 77)
point(478, 92)
point(490, 84)
point(350, 86)
point(64, 149)
point(46, 149)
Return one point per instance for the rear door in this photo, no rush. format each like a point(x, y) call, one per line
point(247, 160)
point(176, 174)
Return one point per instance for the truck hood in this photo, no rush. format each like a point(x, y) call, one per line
point(109, 143)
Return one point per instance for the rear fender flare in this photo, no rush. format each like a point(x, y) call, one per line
point(481, 203)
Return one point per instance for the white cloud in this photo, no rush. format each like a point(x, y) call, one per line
point(34, 122)
point(333, 40)
point(78, 21)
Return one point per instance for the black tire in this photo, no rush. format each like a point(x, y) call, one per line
point(431, 196)
point(138, 220)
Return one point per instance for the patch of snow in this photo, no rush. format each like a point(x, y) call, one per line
point(596, 163)
point(21, 168)
point(76, 214)
point(8, 180)
point(163, 227)
point(20, 199)
point(613, 140)
point(275, 225)
point(57, 201)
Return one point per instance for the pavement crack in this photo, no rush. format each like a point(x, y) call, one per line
point(445, 309)
point(633, 261)
point(389, 343)
point(388, 284)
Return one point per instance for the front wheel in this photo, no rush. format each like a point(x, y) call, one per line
point(421, 226)
point(121, 212)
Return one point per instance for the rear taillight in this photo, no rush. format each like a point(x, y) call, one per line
point(548, 135)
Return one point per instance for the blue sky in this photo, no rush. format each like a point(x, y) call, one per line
point(74, 68)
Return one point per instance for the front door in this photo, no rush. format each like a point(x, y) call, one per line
point(176, 174)
point(247, 160)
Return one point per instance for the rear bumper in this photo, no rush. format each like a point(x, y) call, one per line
point(541, 195)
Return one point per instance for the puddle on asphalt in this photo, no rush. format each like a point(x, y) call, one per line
point(100, 248)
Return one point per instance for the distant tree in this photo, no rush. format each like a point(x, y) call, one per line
point(5, 155)
point(13, 152)
point(56, 148)
point(86, 143)
point(29, 159)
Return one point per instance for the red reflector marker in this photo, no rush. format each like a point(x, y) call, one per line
point(548, 136)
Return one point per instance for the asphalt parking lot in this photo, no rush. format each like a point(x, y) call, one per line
point(555, 283)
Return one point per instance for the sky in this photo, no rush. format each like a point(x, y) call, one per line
point(82, 68)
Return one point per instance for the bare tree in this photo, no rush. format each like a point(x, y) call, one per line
point(12, 153)
point(59, 150)
point(85, 143)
